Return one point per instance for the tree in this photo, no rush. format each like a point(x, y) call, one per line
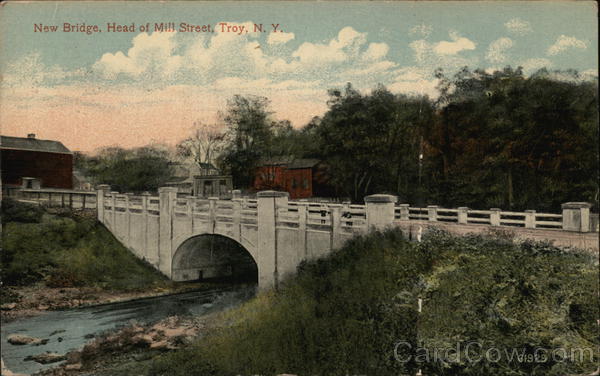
point(205, 145)
point(371, 142)
point(506, 140)
point(248, 136)
point(131, 170)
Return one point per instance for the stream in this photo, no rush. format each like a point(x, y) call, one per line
point(75, 327)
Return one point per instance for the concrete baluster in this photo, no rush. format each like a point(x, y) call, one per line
point(463, 213)
point(495, 216)
point(529, 218)
point(404, 212)
point(432, 213)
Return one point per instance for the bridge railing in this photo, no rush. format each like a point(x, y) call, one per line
point(65, 198)
point(322, 216)
point(577, 217)
point(350, 218)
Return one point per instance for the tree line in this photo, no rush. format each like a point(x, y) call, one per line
point(498, 139)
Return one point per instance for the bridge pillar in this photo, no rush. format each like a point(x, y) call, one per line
point(268, 201)
point(302, 234)
point(576, 216)
point(336, 226)
point(380, 211)
point(113, 214)
point(237, 219)
point(102, 189)
point(167, 197)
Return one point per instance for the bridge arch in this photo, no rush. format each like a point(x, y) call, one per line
point(206, 256)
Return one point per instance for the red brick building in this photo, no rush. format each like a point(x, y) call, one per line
point(46, 160)
point(302, 178)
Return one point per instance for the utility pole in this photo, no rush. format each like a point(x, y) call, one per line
point(420, 195)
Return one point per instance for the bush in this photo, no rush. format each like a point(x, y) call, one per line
point(69, 252)
point(508, 299)
point(14, 211)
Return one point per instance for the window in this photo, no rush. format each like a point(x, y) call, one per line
point(293, 182)
point(305, 183)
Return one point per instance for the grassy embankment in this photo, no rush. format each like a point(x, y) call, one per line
point(67, 250)
point(345, 314)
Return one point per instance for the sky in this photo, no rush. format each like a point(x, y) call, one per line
point(139, 86)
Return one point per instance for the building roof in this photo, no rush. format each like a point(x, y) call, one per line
point(33, 144)
point(291, 162)
point(208, 166)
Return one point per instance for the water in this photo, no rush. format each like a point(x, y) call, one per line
point(76, 324)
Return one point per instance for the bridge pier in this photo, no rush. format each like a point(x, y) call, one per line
point(167, 197)
point(268, 202)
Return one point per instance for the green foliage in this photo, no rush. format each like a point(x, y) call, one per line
point(372, 142)
point(490, 140)
point(345, 314)
point(249, 136)
point(65, 252)
point(134, 170)
point(515, 299)
point(516, 142)
point(13, 211)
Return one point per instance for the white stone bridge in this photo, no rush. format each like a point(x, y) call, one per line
point(170, 232)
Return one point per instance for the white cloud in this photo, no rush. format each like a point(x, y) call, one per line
point(518, 26)
point(532, 65)
point(457, 45)
point(497, 49)
point(280, 38)
point(376, 51)
point(414, 80)
point(420, 48)
point(421, 30)
point(590, 74)
point(150, 54)
point(30, 70)
point(564, 43)
point(379, 68)
point(340, 49)
point(427, 57)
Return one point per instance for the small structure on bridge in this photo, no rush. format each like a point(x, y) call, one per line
point(210, 182)
point(201, 180)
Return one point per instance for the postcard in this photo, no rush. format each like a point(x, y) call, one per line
point(299, 187)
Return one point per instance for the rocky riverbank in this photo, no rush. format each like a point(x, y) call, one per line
point(126, 351)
